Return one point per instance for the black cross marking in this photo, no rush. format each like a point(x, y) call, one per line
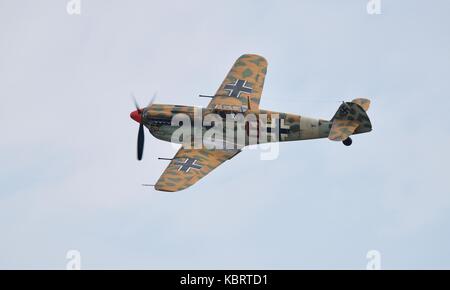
point(235, 90)
point(188, 164)
point(283, 130)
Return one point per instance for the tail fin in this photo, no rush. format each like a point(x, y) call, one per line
point(350, 118)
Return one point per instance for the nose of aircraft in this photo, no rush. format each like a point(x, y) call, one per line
point(135, 115)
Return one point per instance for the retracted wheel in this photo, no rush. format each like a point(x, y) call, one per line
point(347, 142)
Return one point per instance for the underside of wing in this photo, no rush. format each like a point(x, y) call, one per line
point(189, 166)
point(243, 85)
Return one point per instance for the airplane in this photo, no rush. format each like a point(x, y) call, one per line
point(239, 93)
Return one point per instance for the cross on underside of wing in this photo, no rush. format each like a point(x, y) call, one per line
point(189, 166)
point(243, 83)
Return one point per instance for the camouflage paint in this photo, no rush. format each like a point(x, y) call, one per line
point(249, 72)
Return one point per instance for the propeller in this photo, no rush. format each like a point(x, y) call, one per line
point(140, 142)
point(137, 116)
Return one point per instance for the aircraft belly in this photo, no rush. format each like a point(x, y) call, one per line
point(162, 132)
point(295, 128)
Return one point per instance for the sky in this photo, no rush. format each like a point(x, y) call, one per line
point(69, 179)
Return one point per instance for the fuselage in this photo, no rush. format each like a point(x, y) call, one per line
point(267, 126)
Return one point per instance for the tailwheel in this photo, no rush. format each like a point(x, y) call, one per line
point(347, 142)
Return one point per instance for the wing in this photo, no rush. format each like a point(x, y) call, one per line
point(342, 129)
point(189, 166)
point(244, 81)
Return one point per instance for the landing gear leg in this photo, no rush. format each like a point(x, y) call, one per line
point(347, 142)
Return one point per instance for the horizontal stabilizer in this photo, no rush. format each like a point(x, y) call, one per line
point(363, 103)
point(350, 118)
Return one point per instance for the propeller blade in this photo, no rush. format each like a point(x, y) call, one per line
point(136, 105)
point(140, 142)
point(153, 99)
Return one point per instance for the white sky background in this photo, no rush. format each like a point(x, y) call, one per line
point(69, 178)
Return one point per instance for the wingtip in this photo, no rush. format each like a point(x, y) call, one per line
point(255, 56)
